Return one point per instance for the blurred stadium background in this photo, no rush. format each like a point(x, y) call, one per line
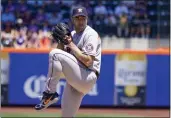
point(138, 29)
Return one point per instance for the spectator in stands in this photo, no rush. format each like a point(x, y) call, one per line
point(103, 16)
point(22, 6)
point(40, 3)
point(31, 2)
point(109, 10)
point(100, 10)
point(52, 6)
point(140, 25)
point(110, 24)
point(6, 40)
point(33, 41)
point(129, 3)
point(44, 41)
point(141, 6)
point(89, 11)
point(10, 6)
point(100, 13)
point(8, 16)
point(27, 18)
point(99, 24)
point(64, 5)
point(120, 9)
point(40, 17)
point(8, 26)
point(19, 24)
point(54, 18)
point(123, 29)
point(141, 2)
point(135, 23)
point(145, 27)
point(46, 26)
point(33, 26)
point(20, 38)
point(110, 20)
point(131, 13)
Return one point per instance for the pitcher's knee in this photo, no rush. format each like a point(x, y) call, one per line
point(55, 53)
point(52, 52)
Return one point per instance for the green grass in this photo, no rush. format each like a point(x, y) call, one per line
point(47, 115)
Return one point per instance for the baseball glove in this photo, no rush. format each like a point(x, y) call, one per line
point(59, 32)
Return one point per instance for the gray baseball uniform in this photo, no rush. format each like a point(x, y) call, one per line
point(80, 79)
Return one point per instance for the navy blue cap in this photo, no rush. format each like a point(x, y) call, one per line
point(79, 11)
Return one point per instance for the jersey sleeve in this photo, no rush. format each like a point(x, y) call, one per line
point(91, 45)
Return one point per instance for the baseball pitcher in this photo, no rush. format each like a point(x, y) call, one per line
point(78, 57)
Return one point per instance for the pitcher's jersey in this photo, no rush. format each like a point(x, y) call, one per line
point(89, 43)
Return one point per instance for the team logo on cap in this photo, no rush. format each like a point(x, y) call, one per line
point(80, 10)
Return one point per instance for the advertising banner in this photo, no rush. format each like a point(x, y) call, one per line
point(5, 62)
point(28, 76)
point(125, 79)
point(130, 79)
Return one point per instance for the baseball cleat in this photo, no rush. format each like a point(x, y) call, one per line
point(47, 100)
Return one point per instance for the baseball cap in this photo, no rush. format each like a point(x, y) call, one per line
point(79, 11)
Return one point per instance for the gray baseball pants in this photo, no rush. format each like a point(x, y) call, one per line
point(80, 80)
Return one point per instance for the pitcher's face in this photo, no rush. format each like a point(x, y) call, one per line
point(79, 22)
